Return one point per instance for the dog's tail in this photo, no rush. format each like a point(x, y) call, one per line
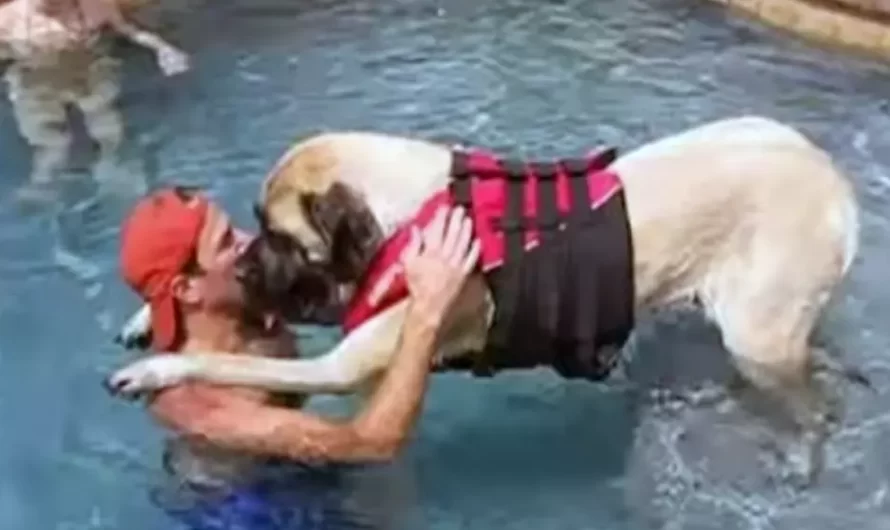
point(850, 231)
point(828, 359)
point(843, 220)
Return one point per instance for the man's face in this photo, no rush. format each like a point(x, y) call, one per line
point(219, 246)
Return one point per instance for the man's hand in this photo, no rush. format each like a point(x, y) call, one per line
point(437, 263)
point(172, 61)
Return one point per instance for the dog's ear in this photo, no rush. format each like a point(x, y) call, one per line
point(348, 228)
point(261, 218)
point(272, 239)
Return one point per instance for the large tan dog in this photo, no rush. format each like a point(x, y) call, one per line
point(745, 216)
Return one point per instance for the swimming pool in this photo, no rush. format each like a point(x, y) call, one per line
point(523, 450)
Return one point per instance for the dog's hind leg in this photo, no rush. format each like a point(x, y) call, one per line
point(767, 329)
point(787, 380)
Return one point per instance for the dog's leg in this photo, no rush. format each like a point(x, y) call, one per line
point(136, 331)
point(359, 355)
point(363, 353)
point(768, 338)
point(789, 382)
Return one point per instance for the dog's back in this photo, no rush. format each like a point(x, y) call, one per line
point(714, 193)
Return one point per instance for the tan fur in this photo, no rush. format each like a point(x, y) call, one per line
point(745, 215)
point(313, 164)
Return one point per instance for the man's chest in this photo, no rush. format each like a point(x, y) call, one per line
point(32, 32)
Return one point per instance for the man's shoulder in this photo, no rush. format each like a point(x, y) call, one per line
point(10, 11)
point(192, 402)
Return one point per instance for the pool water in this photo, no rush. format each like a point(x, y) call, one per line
point(524, 450)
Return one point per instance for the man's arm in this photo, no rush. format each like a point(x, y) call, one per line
point(170, 59)
point(229, 419)
point(226, 418)
point(362, 354)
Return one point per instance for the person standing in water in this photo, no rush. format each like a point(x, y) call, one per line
point(179, 253)
point(58, 59)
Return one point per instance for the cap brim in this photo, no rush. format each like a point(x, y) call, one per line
point(163, 323)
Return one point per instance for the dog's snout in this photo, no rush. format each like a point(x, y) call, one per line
point(316, 253)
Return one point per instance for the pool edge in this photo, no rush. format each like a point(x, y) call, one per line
point(841, 27)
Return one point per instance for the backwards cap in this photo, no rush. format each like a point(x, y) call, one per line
point(158, 239)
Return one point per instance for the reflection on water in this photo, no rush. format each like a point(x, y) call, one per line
point(523, 450)
point(58, 62)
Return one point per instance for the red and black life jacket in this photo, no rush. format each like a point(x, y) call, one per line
point(557, 253)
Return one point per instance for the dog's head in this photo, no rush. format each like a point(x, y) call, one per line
point(277, 277)
point(317, 236)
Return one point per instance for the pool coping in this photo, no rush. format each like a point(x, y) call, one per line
point(834, 24)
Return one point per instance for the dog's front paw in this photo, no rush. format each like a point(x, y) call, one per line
point(152, 373)
point(136, 332)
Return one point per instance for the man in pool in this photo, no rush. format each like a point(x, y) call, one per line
point(179, 251)
point(57, 59)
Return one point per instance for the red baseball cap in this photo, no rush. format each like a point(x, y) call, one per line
point(158, 239)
